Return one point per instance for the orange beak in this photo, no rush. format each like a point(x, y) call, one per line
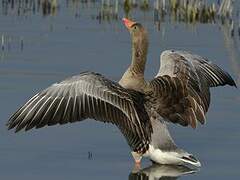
point(128, 23)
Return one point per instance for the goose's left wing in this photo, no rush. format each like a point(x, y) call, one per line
point(180, 91)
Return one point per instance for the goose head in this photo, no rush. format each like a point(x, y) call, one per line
point(137, 31)
point(139, 45)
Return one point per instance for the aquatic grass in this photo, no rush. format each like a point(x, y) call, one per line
point(223, 12)
point(188, 11)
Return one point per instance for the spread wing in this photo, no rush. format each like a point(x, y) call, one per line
point(88, 95)
point(181, 87)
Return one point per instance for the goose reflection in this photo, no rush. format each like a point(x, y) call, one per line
point(160, 172)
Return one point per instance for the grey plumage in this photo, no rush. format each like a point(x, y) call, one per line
point(182, 87)
point(140, 109)
point(88, 95)
point(179, 94)
point(161, 138)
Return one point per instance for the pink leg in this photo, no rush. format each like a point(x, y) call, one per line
point(138, 164)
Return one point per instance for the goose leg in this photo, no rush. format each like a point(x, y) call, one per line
point(137, 157)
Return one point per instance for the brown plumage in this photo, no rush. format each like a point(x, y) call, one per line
point(180, 93)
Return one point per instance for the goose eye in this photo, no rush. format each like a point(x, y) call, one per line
point(135, 27)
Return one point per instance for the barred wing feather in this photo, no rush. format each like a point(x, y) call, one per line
point(88, 95)
point(182, 86)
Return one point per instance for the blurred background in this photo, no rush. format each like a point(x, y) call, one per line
point(45, 41)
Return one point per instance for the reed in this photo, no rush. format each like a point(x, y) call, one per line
point(187, 11)
point(226, 8)
point(2, 42)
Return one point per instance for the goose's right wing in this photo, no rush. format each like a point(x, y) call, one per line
point(88, 95)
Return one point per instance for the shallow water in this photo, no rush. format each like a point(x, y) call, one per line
point(42, 49)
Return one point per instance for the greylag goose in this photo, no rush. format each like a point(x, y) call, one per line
point(179, 93)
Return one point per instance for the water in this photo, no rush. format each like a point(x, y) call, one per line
point(42, 47)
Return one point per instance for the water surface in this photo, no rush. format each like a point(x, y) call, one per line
point(45, 46)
